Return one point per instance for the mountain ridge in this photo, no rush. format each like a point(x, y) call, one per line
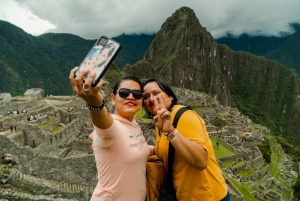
point(185, 55)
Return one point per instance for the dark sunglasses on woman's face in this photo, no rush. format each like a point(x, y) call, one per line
point(124, 93)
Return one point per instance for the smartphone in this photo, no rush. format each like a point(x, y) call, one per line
point(99, 58)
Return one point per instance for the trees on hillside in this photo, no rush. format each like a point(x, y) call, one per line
point(219, 123)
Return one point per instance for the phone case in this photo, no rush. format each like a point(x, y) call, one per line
point(99, 58)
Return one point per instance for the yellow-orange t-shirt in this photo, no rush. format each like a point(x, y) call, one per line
point(190, 183)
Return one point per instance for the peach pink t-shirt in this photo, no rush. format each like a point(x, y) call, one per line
point(121, 154)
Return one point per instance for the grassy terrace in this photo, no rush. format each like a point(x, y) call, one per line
point(244, 189)
point(223, 151)
point(57, 128)
point(245, 173)
point(47, 123)
point(222, 113)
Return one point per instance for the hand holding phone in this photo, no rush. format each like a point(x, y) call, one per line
point(99, 58)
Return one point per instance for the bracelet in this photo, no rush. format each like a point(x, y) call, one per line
point(169, 132)
point(96, 108)
point(171, 136)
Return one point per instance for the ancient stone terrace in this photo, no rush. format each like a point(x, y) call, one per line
point(53, 147)
point(51, 154)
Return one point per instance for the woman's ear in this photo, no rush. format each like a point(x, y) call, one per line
point(112, 98)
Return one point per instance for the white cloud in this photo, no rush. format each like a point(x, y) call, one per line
point(90, 19)
point(10, 11)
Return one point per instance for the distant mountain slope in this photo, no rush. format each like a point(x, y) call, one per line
point(185, 55)
point(285, 49)
point(45, 61)
point(134, 48)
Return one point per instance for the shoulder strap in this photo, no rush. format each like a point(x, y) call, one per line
point(172, 150)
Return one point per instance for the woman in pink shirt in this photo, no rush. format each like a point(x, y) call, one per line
point(120, 149)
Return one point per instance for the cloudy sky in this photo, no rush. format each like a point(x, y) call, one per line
point(93, 18)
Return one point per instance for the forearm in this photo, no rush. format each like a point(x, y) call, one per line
point(194, 154)
point(101, 118)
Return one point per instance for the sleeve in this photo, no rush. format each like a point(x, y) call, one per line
point(192, 127)
point(104, 137)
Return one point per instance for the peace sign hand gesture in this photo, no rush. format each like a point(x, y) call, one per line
point(162, 120)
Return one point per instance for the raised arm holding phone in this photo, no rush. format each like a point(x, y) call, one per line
point(120, 149)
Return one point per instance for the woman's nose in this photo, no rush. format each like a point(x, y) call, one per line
point(130, 96)
point(151, 97)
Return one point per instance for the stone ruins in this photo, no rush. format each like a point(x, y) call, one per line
point(46, 151)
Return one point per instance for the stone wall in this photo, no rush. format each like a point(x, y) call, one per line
point(80, 170)
point(235, 194)
point(18, 138)
point(229, 146)
point(259, 173)
point(39, 186)
point(231, 158)
point(54, 140)
point(33, 136)
point(9, 120)
point(82, 146)
point(48, 123)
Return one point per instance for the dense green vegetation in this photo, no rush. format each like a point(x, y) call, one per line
point(267, 100)
point(297, 189)
point(219, 124)
point(292, 151)
point(45, 61)
point(265, 150)
point(284, 49)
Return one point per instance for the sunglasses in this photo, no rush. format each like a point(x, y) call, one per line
point(124, 93)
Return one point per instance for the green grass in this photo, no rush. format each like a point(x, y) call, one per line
point(223, 113)
point(223, 151)
point(227, 163)
point(47, 123)
point(245, 173)
point(237, 165)
point(274, 166)
point(244, 189)
point(287, 194)
point(57, 128)
point(7, 172)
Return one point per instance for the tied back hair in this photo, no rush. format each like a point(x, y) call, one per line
point(130, 77)
point(166, 89)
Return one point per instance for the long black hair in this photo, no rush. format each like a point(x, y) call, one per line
point(165, 88)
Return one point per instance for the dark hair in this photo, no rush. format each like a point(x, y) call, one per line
point(130, 77)
point(111, 46)
point(165, 88)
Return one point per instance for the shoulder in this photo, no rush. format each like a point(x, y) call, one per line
point(188, 117)
point(176, 108)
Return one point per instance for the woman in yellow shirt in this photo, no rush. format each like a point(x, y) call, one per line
point(196, 173)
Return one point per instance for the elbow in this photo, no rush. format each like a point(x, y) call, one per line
point(201, 161)
point(201, 165)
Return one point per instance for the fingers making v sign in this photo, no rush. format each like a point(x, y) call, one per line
point(162, 120)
